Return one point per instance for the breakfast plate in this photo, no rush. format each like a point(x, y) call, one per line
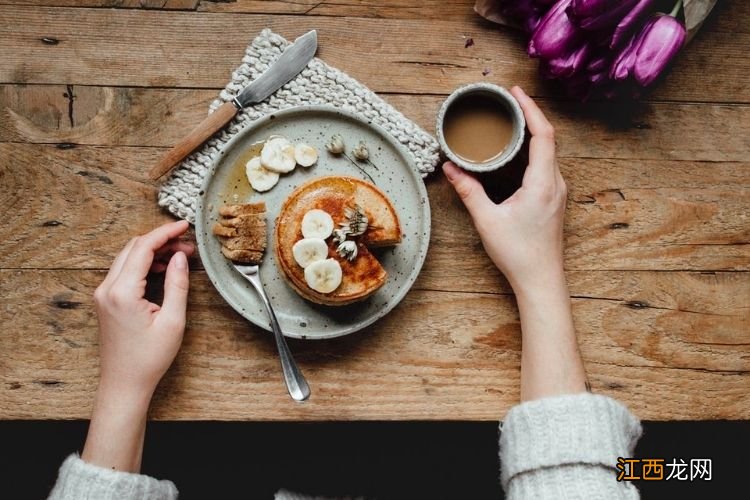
point(389, 167)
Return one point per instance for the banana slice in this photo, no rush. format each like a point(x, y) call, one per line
point(278, 155)
point(309, 250)
point(305, 155)
point(324, 276)
point(260, 179)
point(317, 224)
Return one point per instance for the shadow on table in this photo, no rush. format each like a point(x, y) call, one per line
point(386, 460)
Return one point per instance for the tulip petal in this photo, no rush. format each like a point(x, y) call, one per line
point(661, 42)
point(555, 35)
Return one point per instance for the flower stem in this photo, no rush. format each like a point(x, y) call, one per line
point(362, 169)
point(676, 9)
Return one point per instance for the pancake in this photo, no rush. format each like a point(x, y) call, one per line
point(362, 276)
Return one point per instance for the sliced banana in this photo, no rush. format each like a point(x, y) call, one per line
point(305, 155)
point(317, 224)
point(309, 250)
point(261, 179)
point(324, 276)
point(278, 155)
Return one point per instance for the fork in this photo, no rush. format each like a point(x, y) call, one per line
point(296, 384)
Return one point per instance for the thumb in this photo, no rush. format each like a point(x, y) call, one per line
point(469, 189)
point(176, 285)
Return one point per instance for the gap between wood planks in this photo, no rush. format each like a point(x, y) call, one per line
point(186, 60)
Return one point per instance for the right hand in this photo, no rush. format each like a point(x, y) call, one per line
point(523, 235)
point(138, 340)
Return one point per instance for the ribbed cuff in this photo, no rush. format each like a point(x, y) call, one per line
point(78, 479)
point(579, 428)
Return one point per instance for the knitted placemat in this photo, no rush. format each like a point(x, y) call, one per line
point(318, 83)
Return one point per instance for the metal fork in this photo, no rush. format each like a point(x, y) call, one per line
point(296, 384)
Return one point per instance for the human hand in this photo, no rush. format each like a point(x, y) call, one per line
point(522, 235)
point(138, 340)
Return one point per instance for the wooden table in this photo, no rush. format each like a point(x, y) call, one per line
point(657, 226)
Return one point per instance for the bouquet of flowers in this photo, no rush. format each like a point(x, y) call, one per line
point(610, 48)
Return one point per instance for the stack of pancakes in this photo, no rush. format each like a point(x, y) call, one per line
point(362, 276)
point(242, 232)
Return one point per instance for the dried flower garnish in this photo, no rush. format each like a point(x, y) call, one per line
point(361, 152)
point(340, 234)
point(336, 145)
point(347, 250)
point(469, 43)
point(486, 71)
point(356, 220)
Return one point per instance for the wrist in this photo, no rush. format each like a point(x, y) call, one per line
point(540, 284)
point(126, 398)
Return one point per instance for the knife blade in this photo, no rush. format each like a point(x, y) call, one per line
point(287, 66)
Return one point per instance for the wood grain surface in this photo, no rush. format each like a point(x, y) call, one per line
point(657, 226)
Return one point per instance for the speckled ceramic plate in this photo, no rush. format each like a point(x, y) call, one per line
point(392, 170)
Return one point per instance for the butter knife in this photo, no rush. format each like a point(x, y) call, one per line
point(287, 66)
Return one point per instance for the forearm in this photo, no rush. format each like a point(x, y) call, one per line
point(550, 360)
point(117, 429)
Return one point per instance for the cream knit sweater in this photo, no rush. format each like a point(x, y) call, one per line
point(560, 448)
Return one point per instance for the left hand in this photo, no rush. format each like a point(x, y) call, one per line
point(138, 340)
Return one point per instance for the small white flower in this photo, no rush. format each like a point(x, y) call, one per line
point(356, 221)
point(340, 234)
point(336, 145)
point(361, 152)
point(347, 250)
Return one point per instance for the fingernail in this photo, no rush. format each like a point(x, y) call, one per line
point(180, 261)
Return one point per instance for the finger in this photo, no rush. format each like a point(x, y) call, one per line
point(116, 267)
point(176, 285)
point(469, 189)
point(165, 253)
point(174, 246)
point(542, 145)
point(141, 256)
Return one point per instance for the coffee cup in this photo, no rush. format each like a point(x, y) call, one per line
point(480, 127)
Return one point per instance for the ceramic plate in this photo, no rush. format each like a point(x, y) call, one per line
point(391, 169)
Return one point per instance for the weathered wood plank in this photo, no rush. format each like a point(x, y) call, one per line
point(665, 362)
point(133, 47)
point(728, 15)
point(80, 205)
point(161, 117)
point(114, 4)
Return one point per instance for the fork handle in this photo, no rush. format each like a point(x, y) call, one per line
point(296, 384)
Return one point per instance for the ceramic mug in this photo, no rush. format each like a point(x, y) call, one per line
point(506, 99)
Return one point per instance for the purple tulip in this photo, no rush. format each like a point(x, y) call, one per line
point(594, 15)
point(555, 36)
point(662, 39)
point(568, 64)
point(649, 52)
point(622, 67)
point(628, 23)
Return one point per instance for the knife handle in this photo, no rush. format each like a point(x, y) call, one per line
point(198, 136)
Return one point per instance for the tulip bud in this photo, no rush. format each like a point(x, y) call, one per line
point(555, 36)
point(660, 44)
point(567, 65)
point(629, 22)
point(622, 66)
point(594, 15)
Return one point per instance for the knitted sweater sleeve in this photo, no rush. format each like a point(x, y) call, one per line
point(79, 480)
point(567, 447)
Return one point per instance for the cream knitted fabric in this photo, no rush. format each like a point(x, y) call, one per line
point(566, 447)
point(318, 83)
point(78, 480)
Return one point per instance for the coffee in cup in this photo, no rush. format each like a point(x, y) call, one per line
point(480, 127)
